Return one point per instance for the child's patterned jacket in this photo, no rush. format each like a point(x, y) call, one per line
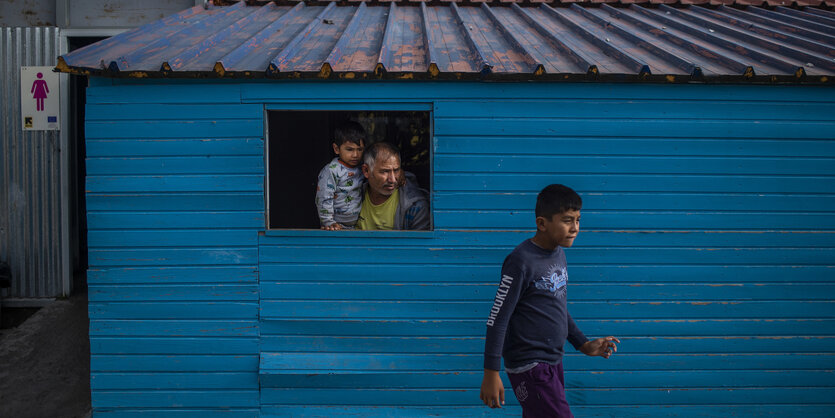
point(339, 194)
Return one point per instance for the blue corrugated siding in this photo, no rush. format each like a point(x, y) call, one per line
point(708, 246)
point(175, 203)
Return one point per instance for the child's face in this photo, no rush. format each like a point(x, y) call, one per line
point(349, 152)
point(562, 228)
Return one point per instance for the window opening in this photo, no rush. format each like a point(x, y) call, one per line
point(300, 145)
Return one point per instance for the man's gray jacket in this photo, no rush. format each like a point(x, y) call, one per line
point(413, 208)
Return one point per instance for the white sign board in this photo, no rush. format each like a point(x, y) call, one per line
point(40, 99)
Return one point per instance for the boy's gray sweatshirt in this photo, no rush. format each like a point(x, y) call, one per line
point(529, 321)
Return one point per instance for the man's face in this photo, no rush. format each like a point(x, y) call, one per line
point(349, 152)
point(384, 176)
point(562, 228)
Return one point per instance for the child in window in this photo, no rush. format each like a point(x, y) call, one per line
point(339, 190)
point(529, 322)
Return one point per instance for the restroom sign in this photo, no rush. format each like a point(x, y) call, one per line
point(40, 99)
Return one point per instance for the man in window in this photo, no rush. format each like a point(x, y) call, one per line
point(392, 198)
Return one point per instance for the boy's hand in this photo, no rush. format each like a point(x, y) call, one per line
point(333, 227)
point(603, 347)
point(492, 389)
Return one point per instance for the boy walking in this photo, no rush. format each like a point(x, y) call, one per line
point(529, 321)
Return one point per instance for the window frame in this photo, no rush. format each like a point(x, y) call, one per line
point(349, 107)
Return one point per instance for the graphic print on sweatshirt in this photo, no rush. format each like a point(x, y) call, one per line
point(554, 281)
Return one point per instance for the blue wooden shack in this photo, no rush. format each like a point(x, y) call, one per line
point(701, 137)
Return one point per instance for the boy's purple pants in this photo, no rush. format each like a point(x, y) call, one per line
point(541, 391)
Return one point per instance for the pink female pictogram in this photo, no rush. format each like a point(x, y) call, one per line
point(40, 89)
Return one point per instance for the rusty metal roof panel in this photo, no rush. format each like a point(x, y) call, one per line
point(151, 56)
point(584, 43)
point(309, 50)
point(261, 48)
point(404, 47)
point(359, 46)
point(696, 59)
point(492, 43)
point(219, 43)
point(761, 62)
point(449, 44)
point(99, 55)
point(647, 40)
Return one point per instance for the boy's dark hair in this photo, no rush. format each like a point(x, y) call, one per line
point(556, 198)
point(348, 131)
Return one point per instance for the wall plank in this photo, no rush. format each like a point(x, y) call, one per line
point(176, 220)
point(175, 165)
point(219, 128)
point(172, 328)
point(175, 183)
point(649, 127)
point(160, 275)
point(176, 111)
point(613, 255)
point(626, 109)
point(183, 345)
point(646, 220)
point(175, 310)
point(145, 412)
point(593, 182)
point(475, 344)
point(353, 363)
point(177, 202)
point(621, 327)
point(581, 310)
point(176, 398)
point(468, 379)
point(682, 165)
point(166, 146)
point(627, 411)
point(172, 257)
point(391, 397)
point(177, 380)
point(582, 273)
point(644, 201)
point(174, 363)
point(631, 146)
point(363, 291)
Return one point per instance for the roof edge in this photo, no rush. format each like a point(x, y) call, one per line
point(772, 3)
point(323, 75)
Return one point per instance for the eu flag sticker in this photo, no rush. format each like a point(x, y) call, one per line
point(51, 119)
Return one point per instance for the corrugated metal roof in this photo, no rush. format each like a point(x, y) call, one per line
point(773, 3)
point(655, 42)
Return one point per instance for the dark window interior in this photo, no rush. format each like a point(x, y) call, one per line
point(300, 145)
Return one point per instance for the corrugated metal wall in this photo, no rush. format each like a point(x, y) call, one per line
point(707, 246)
point(30, 176)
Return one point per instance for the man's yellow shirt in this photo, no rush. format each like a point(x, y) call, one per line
point(378, 217)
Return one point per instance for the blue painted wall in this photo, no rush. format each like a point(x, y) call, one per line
point(707, 245)
point(175, 202)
